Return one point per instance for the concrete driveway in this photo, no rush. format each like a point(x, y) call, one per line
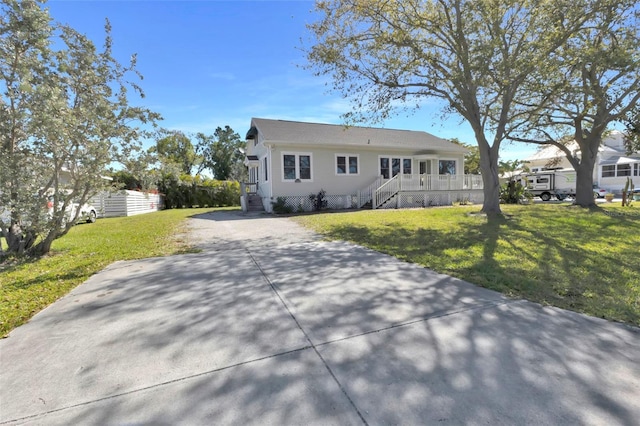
point(270, 325)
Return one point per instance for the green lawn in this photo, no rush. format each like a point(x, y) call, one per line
point(26, 287)
point(565, 256)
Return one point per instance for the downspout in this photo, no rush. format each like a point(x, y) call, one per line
point(272, 175)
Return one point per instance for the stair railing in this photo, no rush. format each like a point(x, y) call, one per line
point(386, 191)
point(366, 195)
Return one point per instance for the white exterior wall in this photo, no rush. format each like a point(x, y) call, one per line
point(323, 169)
point(617, 183)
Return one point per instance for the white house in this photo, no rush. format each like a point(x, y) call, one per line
point(355, 166)
point(613, 165)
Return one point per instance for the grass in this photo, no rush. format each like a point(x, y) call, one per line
point(29, 285)
point(573, 258)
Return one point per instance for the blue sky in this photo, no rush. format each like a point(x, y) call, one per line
point(215, 63)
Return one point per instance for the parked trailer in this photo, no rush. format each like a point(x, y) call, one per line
point(550, 183)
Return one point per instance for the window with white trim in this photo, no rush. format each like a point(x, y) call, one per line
point(296, 166)
point(406, 166)
point(447, 167)
point(392, 166)
point(609, 171)
point(620, 170)
point(624, 170)
point(347, 164)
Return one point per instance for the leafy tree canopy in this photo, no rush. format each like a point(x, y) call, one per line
point(223, 154)
point(174, 148)
point(583, 87)
point(64, 117)
point(475, 55)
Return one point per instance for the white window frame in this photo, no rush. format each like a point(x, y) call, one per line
point(618, 171)
point(633, 169)
point(347, 170)
point(297, 164)
point(609, 170)
point(455, 160)
point(390, 158)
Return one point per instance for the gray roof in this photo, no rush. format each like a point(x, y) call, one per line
point(295, 132)
point(618, 159)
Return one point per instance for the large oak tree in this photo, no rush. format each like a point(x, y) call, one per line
point(475, 55)
point(588, 84)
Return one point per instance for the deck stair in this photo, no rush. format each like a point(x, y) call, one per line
point(386, 192)
point(254, 203)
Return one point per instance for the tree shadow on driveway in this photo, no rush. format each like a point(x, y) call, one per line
point(309, 332)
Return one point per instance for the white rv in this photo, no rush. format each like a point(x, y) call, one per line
point(560, 183)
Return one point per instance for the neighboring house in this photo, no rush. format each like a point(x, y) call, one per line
point(355, 166)
point(613, 165)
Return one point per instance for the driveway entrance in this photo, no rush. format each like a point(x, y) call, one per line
point(271, 325)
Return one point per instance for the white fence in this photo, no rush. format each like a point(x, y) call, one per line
point(126, 203)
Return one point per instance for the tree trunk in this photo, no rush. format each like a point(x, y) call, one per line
point(490, 178)
point(17, 243)
point(584, 179)
point(44, 246)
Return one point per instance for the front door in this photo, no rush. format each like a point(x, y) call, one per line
point(425, 171)
point(425, 167)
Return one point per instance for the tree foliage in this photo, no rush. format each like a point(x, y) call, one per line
point(64, 117)
point(475, 55)
point(589, 83)
point(196, 191)
point(222, 153)
point(175, 150)
point(471, 158)
point(632, 122)
point(511, 166)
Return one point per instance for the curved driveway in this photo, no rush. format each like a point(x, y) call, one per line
point(271, 325)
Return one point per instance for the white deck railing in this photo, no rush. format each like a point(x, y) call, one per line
point(380, 191)
point(439, 182)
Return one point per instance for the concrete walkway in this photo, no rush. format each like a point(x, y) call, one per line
point(271, 326)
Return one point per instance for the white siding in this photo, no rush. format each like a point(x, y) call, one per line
point(323, 169)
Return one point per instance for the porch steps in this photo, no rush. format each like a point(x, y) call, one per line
point(254, 203)
point(390, 203)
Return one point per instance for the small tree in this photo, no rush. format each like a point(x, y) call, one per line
point(222, 154)
point(174, 149)
point(64, 117)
